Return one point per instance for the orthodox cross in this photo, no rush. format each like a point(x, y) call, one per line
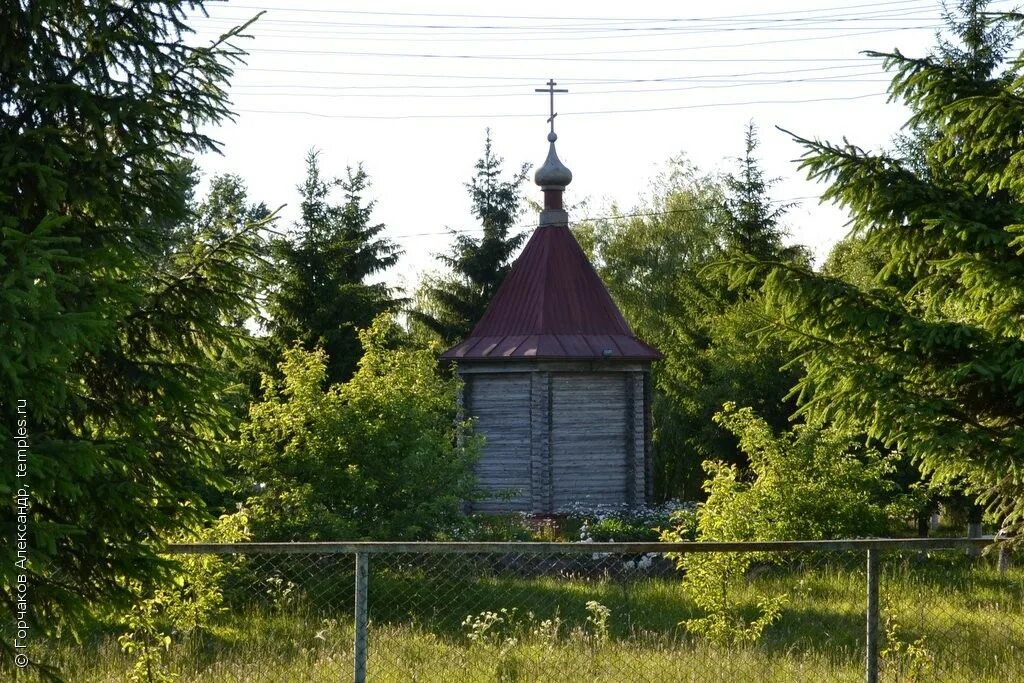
point(551, 91)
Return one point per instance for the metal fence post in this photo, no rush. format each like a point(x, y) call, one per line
point(871, 655)
point(973, 531)
point(362, 577)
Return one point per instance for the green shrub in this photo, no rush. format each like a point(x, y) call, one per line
point(623, 531)
point(375, 457)
point(184, 602)
point(809, 482)
point(806, 483)
point(683, 523)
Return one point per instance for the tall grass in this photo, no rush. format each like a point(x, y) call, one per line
point(946, 619)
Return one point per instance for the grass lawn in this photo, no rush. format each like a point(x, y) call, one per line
point(944, 618)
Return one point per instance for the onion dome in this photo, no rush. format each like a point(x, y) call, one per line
point(553, 174)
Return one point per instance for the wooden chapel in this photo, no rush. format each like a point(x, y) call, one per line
point(558, 384)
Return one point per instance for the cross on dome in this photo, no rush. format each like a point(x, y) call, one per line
point(551, 91)
point(552, 176)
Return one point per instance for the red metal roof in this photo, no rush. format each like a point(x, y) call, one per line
point(552, 305)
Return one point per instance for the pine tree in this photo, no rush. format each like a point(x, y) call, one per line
point(323, 296)
point(110, 320)
point(477, 266)
point(929, 357)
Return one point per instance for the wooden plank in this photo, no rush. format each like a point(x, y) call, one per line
point(540, 443)
point(631, 439)
point(500, 403)
point(588, 439)
point(648, 461)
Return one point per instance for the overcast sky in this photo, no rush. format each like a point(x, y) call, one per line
point(410, 94)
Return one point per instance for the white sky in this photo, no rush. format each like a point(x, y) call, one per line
point(428, 86)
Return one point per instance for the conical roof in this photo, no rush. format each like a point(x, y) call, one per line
point(552, 305)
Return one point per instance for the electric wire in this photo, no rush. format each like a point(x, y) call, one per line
point(701, 24)
point(531, 95)
point(537, 78)
point(639, 214)
point(549, 58)
point(685, 48)
point(713, 83)
point(548, 18)
point(395, 117)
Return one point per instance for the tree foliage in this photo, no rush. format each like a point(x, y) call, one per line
point(454, 302)
point(855, 261)
point(182, 606)
point(322, 294)
point(656, 266)
point(227, 209)
point(652, 261)
point(375, 457)
point(753, 219)
point(930, 357)
point(110, 323)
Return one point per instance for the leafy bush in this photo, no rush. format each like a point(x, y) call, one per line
point(184, 602)
point(683, 523)
point(612, 529)
point(810, 482)
point(903, 659)
point(374, 457)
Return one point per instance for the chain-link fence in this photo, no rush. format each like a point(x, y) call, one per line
point(889, 610)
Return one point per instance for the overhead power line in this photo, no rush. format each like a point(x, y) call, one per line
point(620, 24)
point(686, 48)
point(568, 113)
point(564, 33)
point(345, 91)
point(617, 216)
point(467, 38)
point(913, 10)
point(702, 24)
point(549, 58)
point(533, 79)
point(577, 90)
point(873, 5)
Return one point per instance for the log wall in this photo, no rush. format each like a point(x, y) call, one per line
point(555, 437)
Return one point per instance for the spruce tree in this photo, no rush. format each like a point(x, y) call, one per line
point(110, 320)
point(477, 266)
point(226, 209)
point(323, 295)
point(753, 219)
point(928, 358)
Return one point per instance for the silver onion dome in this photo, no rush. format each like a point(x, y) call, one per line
point(552, 174)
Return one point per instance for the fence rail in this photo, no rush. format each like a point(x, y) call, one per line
point(934, 609)
point(306, 548)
